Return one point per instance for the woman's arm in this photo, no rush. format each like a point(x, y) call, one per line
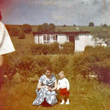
point(39, 86)
point(55, 86)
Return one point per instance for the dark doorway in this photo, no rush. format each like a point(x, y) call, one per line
point(71, 39)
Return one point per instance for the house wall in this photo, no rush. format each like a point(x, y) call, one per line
point(62, 38)
point(38, 39)
point(83, 40)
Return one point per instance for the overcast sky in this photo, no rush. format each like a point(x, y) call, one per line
point(59, 12)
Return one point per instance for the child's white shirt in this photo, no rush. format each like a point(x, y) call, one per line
point(63, 83)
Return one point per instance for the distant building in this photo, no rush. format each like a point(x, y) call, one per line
point(81, 39)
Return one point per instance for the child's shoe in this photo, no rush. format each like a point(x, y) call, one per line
point(67, 103)
point(62, 102)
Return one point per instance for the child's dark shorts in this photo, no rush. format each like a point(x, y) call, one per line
point(64, 92)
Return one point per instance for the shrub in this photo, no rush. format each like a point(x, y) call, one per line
point(27, 65)
point(38, 49)
point(91, 24)
point(59, 63)
point(14, 31)
point(54, 48)
point(102, 69)
point(26, 28)
point(68, 48)
point(89, 49)
point(21, 35)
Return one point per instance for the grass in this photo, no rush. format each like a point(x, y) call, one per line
point(84, 95)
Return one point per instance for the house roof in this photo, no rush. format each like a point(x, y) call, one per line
point(69, 28)
point(67, 33)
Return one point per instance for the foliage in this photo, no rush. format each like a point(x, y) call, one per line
point(54, 48)
point(90, 95)
point(59, 63)
point(14, 31)
point(21, 35)
point(46, 28)
point(102, 70)
point(51, 27)
point(26, 28)
point(100, 33)
point(27, 65)
point(91, 24)
point(68, 48)
point(38, 49)
point(105, 25)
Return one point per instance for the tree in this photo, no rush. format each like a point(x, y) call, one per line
point(46, 28)
point(105, 25)
point(91, 24)
point(51, 27)
point(99, 33)
point(14, 31)
point(26, 28)
point(21, 35)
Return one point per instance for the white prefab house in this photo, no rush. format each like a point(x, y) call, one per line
point(80, 39)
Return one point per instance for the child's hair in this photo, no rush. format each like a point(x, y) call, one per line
point(62, 72)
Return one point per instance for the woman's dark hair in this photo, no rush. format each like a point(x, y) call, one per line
point(48, 68)
point(0, 15)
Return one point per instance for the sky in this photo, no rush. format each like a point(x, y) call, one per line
point(58, 12)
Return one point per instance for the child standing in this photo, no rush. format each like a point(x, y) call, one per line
point(63, 87)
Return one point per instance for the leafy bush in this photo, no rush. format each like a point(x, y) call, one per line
point(21, 35)
point(98, 53)
point(102, 70)
point(26, 28)
point(54, 48)
point(46, 27)
point(59, 63)
point(27, 65)
point(68, 48)
point(91, 24)
point(14, 31)
point(38, 49)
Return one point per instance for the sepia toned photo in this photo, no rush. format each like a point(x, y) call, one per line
point(54, 54)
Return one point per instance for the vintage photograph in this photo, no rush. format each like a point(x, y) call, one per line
point(54, 54)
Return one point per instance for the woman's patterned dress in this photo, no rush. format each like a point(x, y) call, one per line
point(44, 93)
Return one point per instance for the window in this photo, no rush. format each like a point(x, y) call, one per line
point(55, 38)
point(44, 39)
point(49, 38)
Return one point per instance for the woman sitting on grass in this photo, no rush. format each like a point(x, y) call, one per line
point(46, 93)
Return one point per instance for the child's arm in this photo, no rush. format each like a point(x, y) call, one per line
point(68, 85)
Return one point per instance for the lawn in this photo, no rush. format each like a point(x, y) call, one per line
point(84, 96)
